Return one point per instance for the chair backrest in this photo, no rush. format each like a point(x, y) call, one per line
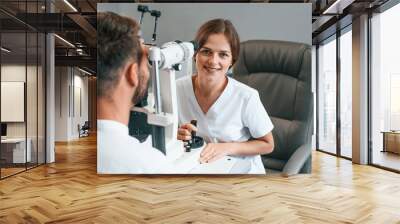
point(281, 72)
point(86, 125)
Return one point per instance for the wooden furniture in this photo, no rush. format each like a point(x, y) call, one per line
point(13, 150)
point(391, 141)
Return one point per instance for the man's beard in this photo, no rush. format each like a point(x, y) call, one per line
point(141, 90)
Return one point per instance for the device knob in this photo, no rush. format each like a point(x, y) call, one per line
point(177, 67)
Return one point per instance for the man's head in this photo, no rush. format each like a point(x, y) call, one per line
point(121, 57)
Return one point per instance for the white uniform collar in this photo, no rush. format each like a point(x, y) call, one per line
point(112, 126)
point(217, 106)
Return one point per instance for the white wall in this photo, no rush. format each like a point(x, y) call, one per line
point(71, 93)
point(79, 117)
point(33, 126)
point(12, 101)
point(180, 21)
point(61, 103)
point(14, 73)
point(17, 73)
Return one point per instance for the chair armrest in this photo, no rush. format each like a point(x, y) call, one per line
point(297, 160)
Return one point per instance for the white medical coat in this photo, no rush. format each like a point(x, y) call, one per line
point(119, 153)
point(236, 116)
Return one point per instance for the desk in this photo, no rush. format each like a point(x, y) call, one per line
point(13, 150)
point(226, 165)
point(189, 163)
point(391, 141)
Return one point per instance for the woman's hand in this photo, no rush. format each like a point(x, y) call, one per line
point(259, 146)
point(185, 132)
point(214, 151)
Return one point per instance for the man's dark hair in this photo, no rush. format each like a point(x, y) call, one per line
point(117, 42)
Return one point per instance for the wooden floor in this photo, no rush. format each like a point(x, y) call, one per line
point(5, 172)
point(70, 191)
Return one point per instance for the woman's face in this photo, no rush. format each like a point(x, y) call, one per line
point(214, 57)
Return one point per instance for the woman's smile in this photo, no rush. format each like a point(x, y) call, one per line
point(212, 69)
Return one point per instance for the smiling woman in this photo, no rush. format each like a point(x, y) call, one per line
point(212, 62)
point(229, 113)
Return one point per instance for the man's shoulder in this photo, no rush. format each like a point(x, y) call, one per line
point(116, 141)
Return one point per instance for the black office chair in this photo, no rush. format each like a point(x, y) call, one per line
point(281, 72)
point(84, 130)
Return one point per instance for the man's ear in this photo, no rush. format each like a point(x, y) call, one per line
point(132, 75)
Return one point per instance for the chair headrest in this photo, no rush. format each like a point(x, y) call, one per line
point(274, 56)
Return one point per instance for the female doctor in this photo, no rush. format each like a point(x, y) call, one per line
point(230, 116)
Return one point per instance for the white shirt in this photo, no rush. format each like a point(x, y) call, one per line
point(120, 153)
point(236, 116)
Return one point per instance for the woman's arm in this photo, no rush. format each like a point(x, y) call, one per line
point(214, 151)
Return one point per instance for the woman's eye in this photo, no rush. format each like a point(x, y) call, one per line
point(223, 55)
point(205, 52)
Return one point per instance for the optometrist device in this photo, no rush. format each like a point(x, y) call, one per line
point(156, 14)
point(143, 9)
point(164, 62)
